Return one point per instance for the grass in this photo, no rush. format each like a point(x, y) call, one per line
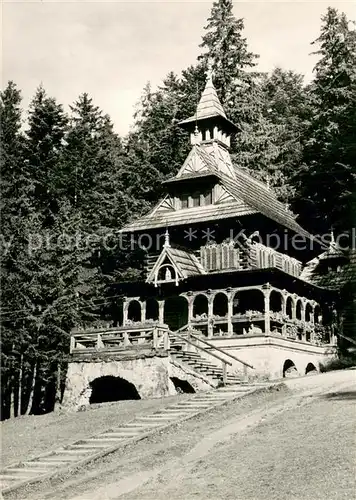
point(32, 435)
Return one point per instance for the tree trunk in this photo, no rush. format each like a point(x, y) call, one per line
point(12, 388)
point(58, 385)
point(19, 394)
point(12, 397)
point(30, 401)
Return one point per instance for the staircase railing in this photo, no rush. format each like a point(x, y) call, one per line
point(247, 365)
point(244, 363)
point(223, 361)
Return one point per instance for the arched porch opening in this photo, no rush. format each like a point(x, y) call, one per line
point(118, 313)
point(298, 309)
point(275, 301)
point(152, 309)
point(176, 312)
point(289, 307)
point(249, 300)
point(317, 315)
point(134, 311)
point(289, 369)
point(220, 305)
point(310, 369)
point(110, 388)
point(200, 305)
point(308, 312)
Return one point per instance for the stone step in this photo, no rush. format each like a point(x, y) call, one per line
point(44, 464)
point(176, 411)
point(59, 458)
point(120, 433)
point(77, 451)
point(198, 404)
point(15, 477)
point(138, 426)
point(107, 440)
point(21, 471)
point(157, 418)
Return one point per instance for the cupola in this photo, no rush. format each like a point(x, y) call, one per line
point(209, 122)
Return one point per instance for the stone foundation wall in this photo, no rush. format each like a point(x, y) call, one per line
point(150, 376)
point(268, 354)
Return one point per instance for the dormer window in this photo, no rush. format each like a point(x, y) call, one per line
point(185, 201)
point(208, 197)
point(197, 199)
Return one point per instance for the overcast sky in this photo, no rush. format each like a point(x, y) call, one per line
point(111, 49)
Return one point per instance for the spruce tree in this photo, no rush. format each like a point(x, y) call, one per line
point(47, 124)
point(227, 49)
point(327, 180)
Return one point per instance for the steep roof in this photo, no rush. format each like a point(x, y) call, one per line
point(249, 195)
point(184, 261)
point(189, 215)
point(209, 106)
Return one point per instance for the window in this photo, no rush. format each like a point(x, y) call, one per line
point(196, 199)
point(208, 197)
point(185, 201)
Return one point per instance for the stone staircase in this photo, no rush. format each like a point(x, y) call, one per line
point(204, 367)
point(196, 362)
point(83, 451)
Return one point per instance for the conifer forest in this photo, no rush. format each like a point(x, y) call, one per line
point(69, 183)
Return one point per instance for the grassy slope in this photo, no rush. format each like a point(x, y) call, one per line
point(32, 435)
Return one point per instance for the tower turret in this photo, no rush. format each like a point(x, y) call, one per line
point(209, 122)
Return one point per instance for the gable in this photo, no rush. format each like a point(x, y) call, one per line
point(165, 205)
point(163, 263)
point(222, 195)
point(193, 164)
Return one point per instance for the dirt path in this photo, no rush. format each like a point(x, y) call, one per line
point(176, 471)
point(261, 446)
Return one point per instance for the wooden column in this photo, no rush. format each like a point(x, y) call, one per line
point(267, 293)
point(125, 307)
point(284, 311)
point(143, 312)
point(190, 298)
point(294, 306)
point(210, 316)
point(230, 303)
point(161, 311)
point(304, 334)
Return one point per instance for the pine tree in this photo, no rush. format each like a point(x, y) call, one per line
point(18, 222)
point(270, 144)
point(227, 49)
point(44, 141)
point(327, 180)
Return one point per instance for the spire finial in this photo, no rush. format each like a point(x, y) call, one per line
point(166, 239)
point(209, 73)
point(332, 238)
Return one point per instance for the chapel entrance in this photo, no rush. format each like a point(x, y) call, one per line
point(176, 312)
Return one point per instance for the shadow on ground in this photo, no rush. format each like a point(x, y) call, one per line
point(341, 396)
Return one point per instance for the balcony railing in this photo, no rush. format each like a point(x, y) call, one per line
point(141, 337)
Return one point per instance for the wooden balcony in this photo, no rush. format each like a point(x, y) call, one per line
point(118, 339)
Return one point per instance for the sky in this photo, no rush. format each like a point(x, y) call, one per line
point(111, 49)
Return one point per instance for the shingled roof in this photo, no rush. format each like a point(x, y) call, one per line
point(184, 261)
point(246, 194)
point(251, 195)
